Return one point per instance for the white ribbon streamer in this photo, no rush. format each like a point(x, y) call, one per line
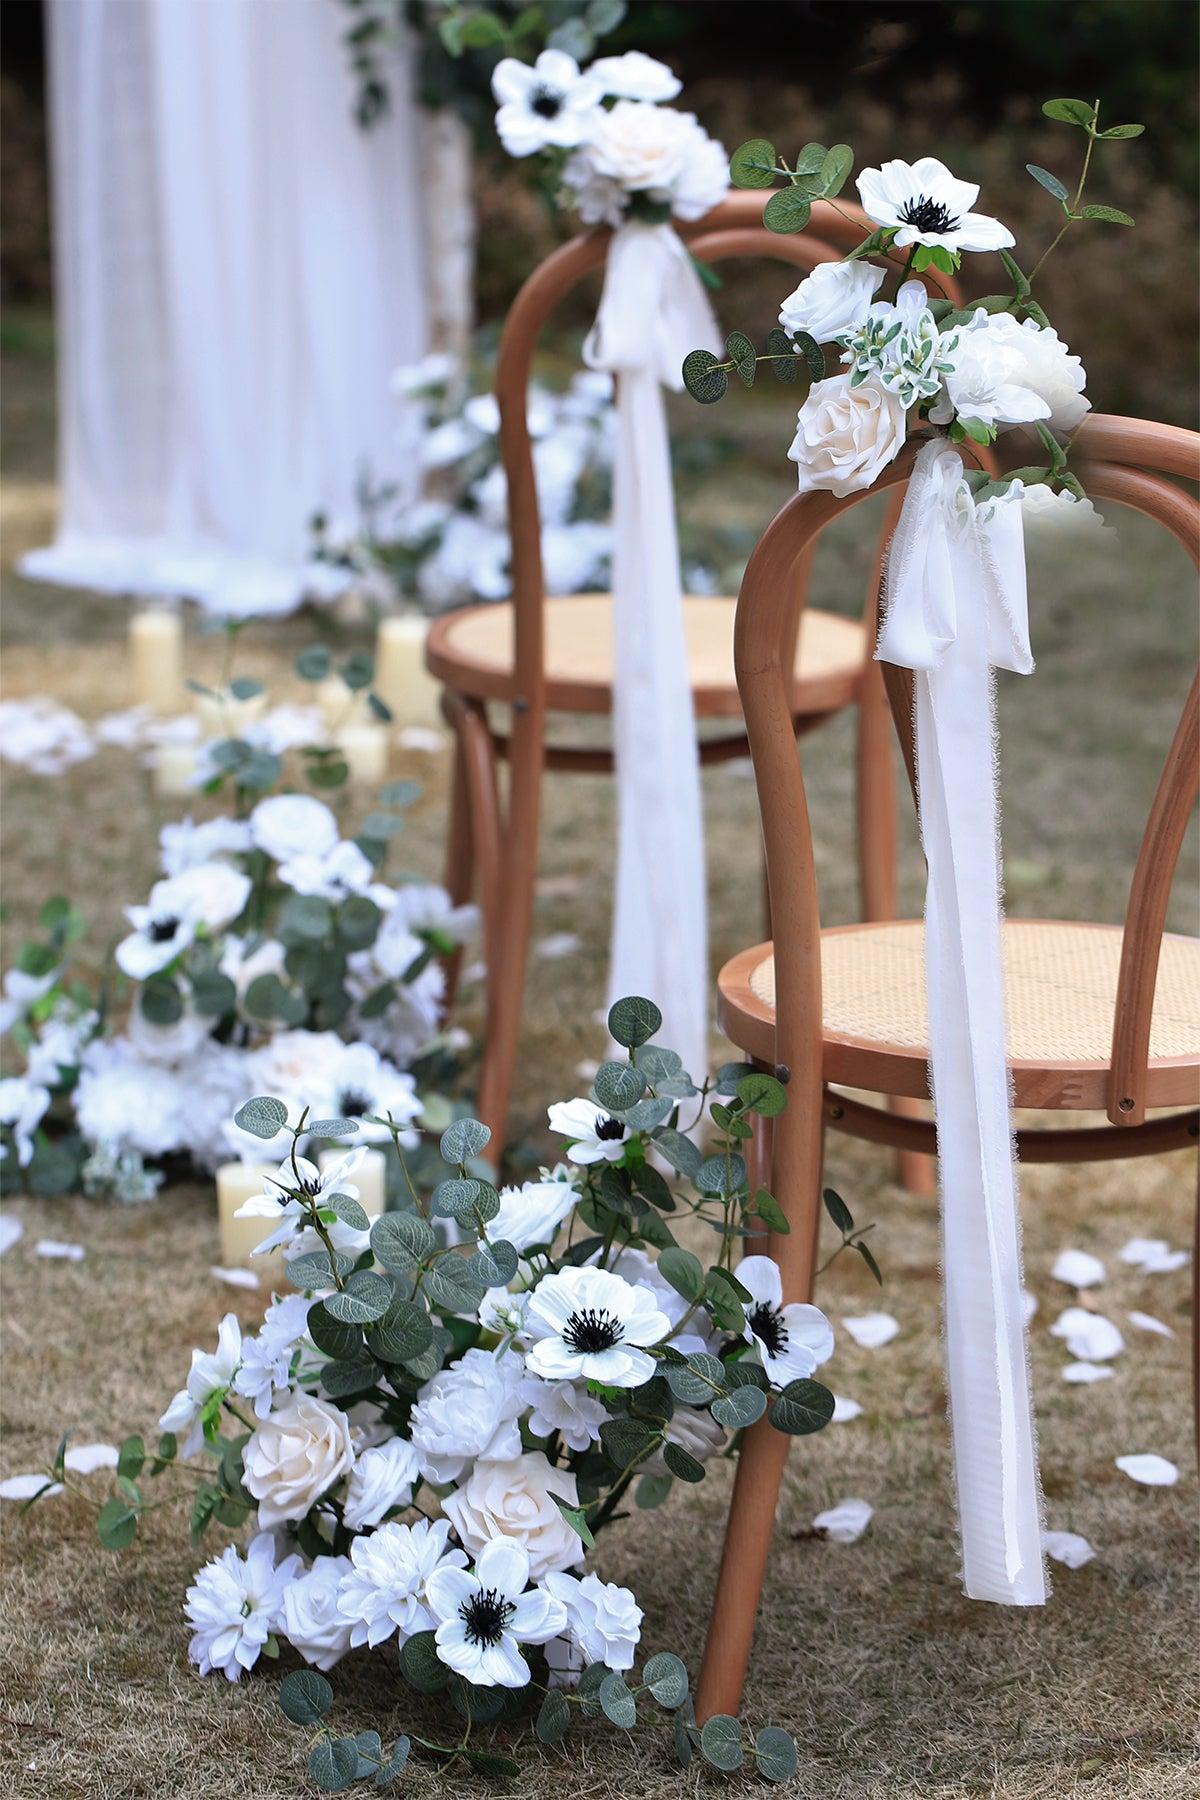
point(652, 311)
point(955, 609)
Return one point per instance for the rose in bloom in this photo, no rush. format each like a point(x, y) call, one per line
point(465, 1412)
point(517, 1499)
point(311, 1620)
point(533, 1213)
point(382, 1478)
point(845, 436)
point(987, 380)
point(639, 148)
point(288, 825)
point(604, 1620)
point(833, 299)
point(294, 1457)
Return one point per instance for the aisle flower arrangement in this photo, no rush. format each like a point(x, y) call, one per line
point(427, 1438)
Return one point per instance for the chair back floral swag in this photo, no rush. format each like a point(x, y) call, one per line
point(613, 150)
point(430, 1438)
point(272, 951)
point(953, 609)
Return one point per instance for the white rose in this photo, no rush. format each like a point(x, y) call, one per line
point(834, 298)
point(604, 1620)
point(845, 436)
point(533, 1213)
point(287, 825)
point(382, 1477)
point(1046, 366)
point(311, 1621)
point(644, 147)
point(703, 181)
point(294, 1457)
point(465, 1412)
point(517, 1499)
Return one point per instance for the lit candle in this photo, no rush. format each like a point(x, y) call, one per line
point(365, 748)
point(402, 681)
point(370, 1178)
point(156, 658)
point(221, 715)
point(238, 1182)
point(174, 766)
point(341, 705)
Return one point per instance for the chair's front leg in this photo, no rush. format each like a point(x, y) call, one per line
point(460, 849)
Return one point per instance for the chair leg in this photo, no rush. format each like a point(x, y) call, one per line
point(460, 859)
point(508, 949)
point(799, 1137)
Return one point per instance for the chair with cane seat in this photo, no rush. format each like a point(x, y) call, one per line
point(1101, 1018)
point(537, 655)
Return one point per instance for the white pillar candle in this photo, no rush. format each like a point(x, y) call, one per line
point(341, 705)
point(238, 1182)
point(402, 681)
point(174, 766)
point(370, 1178)
point(156, 658)
point(221, 715)
point(365, 748)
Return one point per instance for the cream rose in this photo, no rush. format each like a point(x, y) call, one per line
point(642, 146)
point(294, 1457)
point(836, 297)
point(845, 436)
point(517, 1500)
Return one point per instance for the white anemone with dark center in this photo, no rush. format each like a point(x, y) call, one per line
point(484, 1616)
point(925, 204)
point(549, 105)
point(589, 1324)
point(278, 1201)
point(791, 1340)
point(597, 1136)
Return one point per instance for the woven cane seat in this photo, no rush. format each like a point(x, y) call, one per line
point(472, 651)
point(1061, 983)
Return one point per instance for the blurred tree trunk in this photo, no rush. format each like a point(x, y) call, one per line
point(446, 168)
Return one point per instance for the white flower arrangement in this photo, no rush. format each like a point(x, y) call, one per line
point(426, 1440)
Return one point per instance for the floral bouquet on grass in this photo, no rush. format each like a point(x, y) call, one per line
point(429, 1437)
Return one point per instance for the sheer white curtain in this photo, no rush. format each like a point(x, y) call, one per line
point(239, 269)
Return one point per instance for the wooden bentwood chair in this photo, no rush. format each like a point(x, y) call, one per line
point(537, 654)
point(1100, 1018)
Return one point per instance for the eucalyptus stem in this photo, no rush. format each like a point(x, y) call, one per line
point(1073, 211)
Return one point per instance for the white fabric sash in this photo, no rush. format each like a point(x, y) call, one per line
point(955, 609)
point(652, 311)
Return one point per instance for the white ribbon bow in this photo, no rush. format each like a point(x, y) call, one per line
point(955, 609)
point(652, 311)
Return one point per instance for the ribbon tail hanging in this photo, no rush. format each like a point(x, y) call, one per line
point(955, 607)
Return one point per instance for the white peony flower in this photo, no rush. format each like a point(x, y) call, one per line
point(310, 1619)
point(467, 1412)
point(987, 379)
point(288, 825)
point(1088, 1336)
point(597, 1136)
point(547, 105)
point(267, 1358)
point(1046, 367)
point(532, 1214)
point(564, 1407)
point(928, 205)
point(634, 76)
point(845, 1522)
point(483, 1617)
point(294, 1457)
point(123, 1101)
point(383, 1479)
point(184, 845)
point(588, 1324)
point(846, 436)
point(791, 1340)
point(519, 1500)
point(384, 1591)
point(638, 148)
point(210, 1373)
point(603, 1620)
point(235, 1604)
point(835, 298)
point(703, 181)
point(23, 1105)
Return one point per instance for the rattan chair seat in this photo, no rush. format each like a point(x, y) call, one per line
point(1061, 983)
point(472, 649)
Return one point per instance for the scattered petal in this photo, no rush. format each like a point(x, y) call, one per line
point(1150, 1470)
point(238, 1278)
point(10, 1231)
point(24, 1487)
point(473, 973)
point(844, 1410)
point(1147, 1322)
point(1083, 1372)
point(1088, 1334)
point(84, 1459)
point(421, 737)
point(558, 945)
point(1167, 1262)
point(872, 1330)
point(1153, 1256)
point(1078, 1269)
point(52, 1248)
point(1029, 1305)
point(1067, 1547)
point(845, 1522)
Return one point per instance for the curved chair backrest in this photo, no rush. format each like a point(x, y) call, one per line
point(734, 228)
point(1130, 461)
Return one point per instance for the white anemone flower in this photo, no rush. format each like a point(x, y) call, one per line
point(925, 204)
point(235, 1605)
point(547, 105)
point(792, 1340)
point(484, 1617)
point(596, 1135)
point(22, 1106)
point(362, 1081)
point(386, 1589)
point(277, 1202)
point(162, 930)
point(590, 1325)
point(210, 1373)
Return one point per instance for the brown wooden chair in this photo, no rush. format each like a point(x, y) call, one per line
point(1101, 1018)
point(537, 655)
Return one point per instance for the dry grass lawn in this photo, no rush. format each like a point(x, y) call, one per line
point(893, 1684)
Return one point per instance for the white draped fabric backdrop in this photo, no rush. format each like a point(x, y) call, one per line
point(238, 272)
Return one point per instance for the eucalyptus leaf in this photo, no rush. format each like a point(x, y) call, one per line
point(400, 1241)
point(775, 1754)
point(1109, 214)
point(333, 1764)
point(494, 1264)
point(706, 381)
point(305, 1697)
point(740, 352)
point(667, 1679)
point(617, 1086)
point(684, 1271)
point(1071, 112)
point(802, 1407)
point(721, 1742)
point(743, 1407)
point(752, 164)
point(420, 1664)
point(403, 1333)
point(463, 1140)
point(788, 209)
point(837, 1209)
point(1050, 182)
point(762, 1093)
point(342, 1379)
point(116, 1524)
point(263, 1117)
point(617, 1701)
point(554, 1719)
point(680, 1463)
point(679, 1151)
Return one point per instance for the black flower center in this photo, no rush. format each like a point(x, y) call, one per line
point(608, 1129)
point(588, 1333)
point(546, 102)
point(928, 215)
point(354, 1103)
point(310, 1186)
point(485, 1615)
point(161, 931)
point(768, 1325)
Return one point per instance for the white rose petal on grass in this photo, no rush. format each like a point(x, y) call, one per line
point(845, 1522)
point(236, 1278)
point(1149, 1469)
point(484, 1617)
point(1078, 1269)
point(24, 1487)
point(558, 945)
point(591, 1325)
point(85, 1459)
point(1082, 1374)
point(54, 1251)
point(1029, 1305)
point(1147, 1322)
point(844, 1410)
point(872, 1330)
point(1067, 1547)
point(1153, 1256)
point(11, 1232)
point(310, 1619)
point(1088, 1335)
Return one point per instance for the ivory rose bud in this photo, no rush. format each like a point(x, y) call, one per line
point(845, 436)
point(835, 298)
point(311, 1621)
point(517, 1500)
point(294, 1457)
